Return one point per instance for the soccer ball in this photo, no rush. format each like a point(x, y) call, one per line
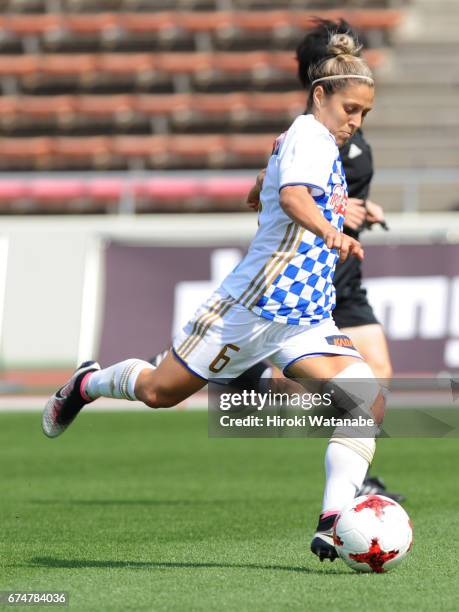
point(373, 534)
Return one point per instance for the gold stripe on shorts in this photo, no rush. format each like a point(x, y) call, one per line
point(202, 325)
point(209, 322)
point(198, 321)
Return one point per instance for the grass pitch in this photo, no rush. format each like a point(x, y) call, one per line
point(143, 512)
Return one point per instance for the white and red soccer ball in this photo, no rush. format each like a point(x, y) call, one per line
point(373, 534)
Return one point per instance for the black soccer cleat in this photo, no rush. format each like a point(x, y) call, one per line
point(322, 543)
point(373, 485)
point(62, 407)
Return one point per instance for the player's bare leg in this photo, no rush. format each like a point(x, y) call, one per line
point(132, 379)
point(348, 453)
point(167, 385)
point(371, 343)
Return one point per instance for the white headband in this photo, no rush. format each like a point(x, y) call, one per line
point(336, 77)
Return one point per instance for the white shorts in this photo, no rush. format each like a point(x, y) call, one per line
point(224, 339)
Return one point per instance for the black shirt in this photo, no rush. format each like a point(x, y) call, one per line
point(358, 168)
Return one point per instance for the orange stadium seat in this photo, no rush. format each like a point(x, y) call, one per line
point(134, 67)
point(40, 108)
point(141, 151)
point(81, 152)
point(8, 111)
point(170, 26)
point(19, 66)
point(25, 153)
point(91, 24)
point(32, 111)
point(166, 26)
point(166, 104)
point(104, 107)
point(139, 146)
point(147, 69)
point(192, 152)
point(62, 65)
point(293, 102)
point(183, 111)
point(30, 25)
point(251, 150)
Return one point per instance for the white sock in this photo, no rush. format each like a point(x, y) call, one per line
point(117, 381)
point(345, 472)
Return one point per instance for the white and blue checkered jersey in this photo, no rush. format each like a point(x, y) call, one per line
point(287, 274)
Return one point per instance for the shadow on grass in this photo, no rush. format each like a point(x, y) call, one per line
point(52, 562)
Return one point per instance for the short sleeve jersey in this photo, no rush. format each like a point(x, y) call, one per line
point(287, 274)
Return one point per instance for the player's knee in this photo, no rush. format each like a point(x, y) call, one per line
point(149, 397)
point(355, 388)
point(155, 397)
point(382, 369)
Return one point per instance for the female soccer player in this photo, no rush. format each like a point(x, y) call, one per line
point(353, 313)
point(277, 303)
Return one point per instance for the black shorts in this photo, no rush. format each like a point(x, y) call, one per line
point(353, 309)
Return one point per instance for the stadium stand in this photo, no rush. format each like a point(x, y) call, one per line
point(104, 193)
point(156, 85)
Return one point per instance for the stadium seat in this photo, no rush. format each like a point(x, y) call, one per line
point(68, 71)
point(19, 66)
point(217, 22)
point(105, 109)
point(25, 153)
point(67, 65)
point(192, 152)
point(30, 25)
point(126, 67)
point(8, 111)
point(82, 152)
point(249, 150)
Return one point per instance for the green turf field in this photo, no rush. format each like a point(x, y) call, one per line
point(143, 512)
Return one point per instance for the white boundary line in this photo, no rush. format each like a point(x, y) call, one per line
point(36, 403)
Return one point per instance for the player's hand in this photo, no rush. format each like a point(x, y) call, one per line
point(253, 197)
point(356, 213)
point(375, 212)
point(345, 245)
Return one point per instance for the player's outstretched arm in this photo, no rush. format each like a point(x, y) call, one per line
point(299, 205)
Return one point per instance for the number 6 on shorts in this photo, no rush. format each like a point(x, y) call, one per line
point(222, 359)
